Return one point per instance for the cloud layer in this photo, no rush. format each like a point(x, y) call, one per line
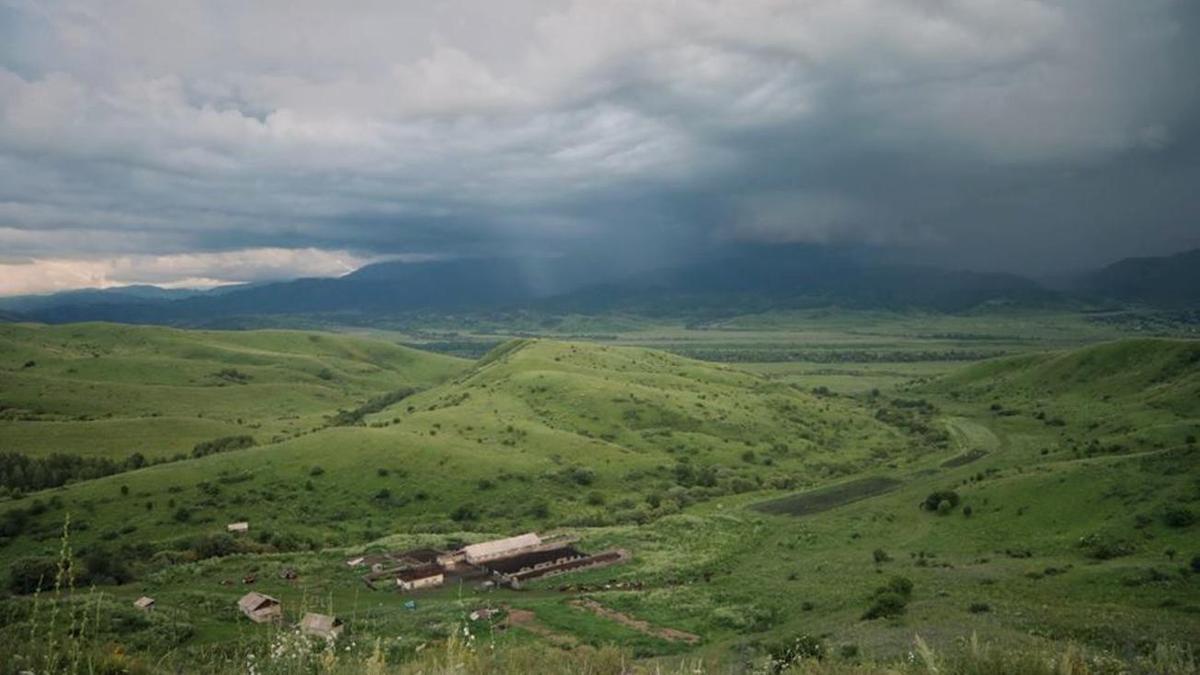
point(1018, 134)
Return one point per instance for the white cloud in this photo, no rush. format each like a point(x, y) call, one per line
point(185, 270)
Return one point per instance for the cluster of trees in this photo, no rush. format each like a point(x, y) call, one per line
point(100, 565)
point(734, 355)
point(349, 418)
point(28, 474)
point(223, 444)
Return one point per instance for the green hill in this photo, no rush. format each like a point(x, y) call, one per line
point(1123, 395)
point(110, 390)
point(1036, 501)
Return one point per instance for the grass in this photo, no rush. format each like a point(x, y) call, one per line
point(673, 459)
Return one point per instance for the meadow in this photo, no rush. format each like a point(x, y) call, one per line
point(1032, 480)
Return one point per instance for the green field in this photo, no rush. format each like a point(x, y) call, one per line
point(761, 500)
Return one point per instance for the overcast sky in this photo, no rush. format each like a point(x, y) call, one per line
point(195, 143)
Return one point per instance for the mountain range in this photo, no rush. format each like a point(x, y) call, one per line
point(745, 280)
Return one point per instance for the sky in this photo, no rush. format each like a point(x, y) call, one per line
point(201, 143)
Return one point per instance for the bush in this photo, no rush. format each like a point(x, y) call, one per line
point(464, 512)
point(881, 556)
point(28, 574)
point(1196, 564)
point(1103, 548)
point(967, 511)
point(802, 648)
point(979, 608)
point(934, 501)
point(223, 444)
point(105, 567)
point(885, 605)
point(316, 471)
point(944, 507)
point(890, 599)
point(902, 586)
point(1179, 517)
point(182, 514)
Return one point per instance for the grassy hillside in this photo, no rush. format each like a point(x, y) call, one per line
point(757, 511)
point(109, 390)
point(1113, 397)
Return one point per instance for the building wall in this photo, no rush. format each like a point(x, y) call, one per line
point(426, 582)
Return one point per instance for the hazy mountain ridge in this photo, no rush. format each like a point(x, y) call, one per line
point(750, 280)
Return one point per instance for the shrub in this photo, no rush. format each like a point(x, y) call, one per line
point(1104, 548)
point(881, 556)
point(979, 608)
point(967, 511)
point(182, 514)
point(223, 444)
point(1196, 564)
point(885, 605)
point(28, 574)
point(934, 501)
point(1179, 517)
point(316, 471)
point(464, 512)
point(802, 648)
point(944, 507)
point(902, 586)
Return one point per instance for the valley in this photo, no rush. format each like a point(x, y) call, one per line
point(760, 502)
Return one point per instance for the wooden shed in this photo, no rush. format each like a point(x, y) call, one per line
point(260, 608)
point(144, 603)
point(238, 528)
point(321, 625)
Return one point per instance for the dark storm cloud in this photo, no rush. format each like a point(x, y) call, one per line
point(207, 142)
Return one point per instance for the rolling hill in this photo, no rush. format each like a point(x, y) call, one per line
point(757, 513)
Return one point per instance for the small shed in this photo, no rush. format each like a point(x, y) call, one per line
point(238, 528)
point(321, 625)
point(144, 603)
point(260, 608)
point(425, 576)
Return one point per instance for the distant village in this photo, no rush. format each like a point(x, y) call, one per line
point(500, 563)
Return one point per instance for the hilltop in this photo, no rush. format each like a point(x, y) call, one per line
point(108, 389)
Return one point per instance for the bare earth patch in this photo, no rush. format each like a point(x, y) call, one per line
point(643, 627)
point(523, 618)
point(823, 499)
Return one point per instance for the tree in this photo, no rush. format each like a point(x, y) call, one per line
point(28, 574)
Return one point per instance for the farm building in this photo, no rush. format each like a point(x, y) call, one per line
point(425, 576)
point(238, 527)
point(500, 548)
point(144, 603)
point(321, 625)
point(260, 608)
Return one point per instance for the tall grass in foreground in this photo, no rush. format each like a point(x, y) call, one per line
point(58, 633)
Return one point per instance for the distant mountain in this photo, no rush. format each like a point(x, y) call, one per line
point(121, 295)
point(447, 285)
point(1166, 281)
point(750, 279)
point(757, 279)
